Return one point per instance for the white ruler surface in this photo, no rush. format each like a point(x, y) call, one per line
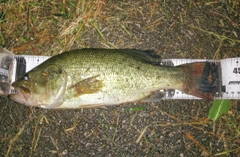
point(231, 78)
point(33, 61)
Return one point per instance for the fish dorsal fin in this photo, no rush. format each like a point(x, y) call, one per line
point(148, 55)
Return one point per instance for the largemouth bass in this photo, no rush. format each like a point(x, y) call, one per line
point(99, 77)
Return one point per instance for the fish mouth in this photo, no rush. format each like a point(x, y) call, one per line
point(21, 96)
point(17, 97)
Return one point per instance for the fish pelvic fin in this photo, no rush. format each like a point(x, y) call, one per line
point(153, 97)
point(200, 79)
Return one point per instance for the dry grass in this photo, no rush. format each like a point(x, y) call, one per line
point(205, 29)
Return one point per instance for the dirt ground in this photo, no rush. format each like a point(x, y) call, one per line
point(169, 128)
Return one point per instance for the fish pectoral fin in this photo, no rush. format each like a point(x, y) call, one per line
point(87, 86)
point(154, 97)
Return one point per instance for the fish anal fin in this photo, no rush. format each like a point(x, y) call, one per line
point(154, 97)
point(87, 86)
point(93, 106)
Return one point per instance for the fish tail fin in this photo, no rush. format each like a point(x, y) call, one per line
point(200, 79)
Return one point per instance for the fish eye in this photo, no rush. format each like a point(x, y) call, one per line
point(26, 77)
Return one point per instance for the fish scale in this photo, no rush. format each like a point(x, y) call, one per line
point(125, 69)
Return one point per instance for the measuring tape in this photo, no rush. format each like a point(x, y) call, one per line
point(24, 63)
point(13, 67)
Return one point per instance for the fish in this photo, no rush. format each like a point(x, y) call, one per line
point(92, 77)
